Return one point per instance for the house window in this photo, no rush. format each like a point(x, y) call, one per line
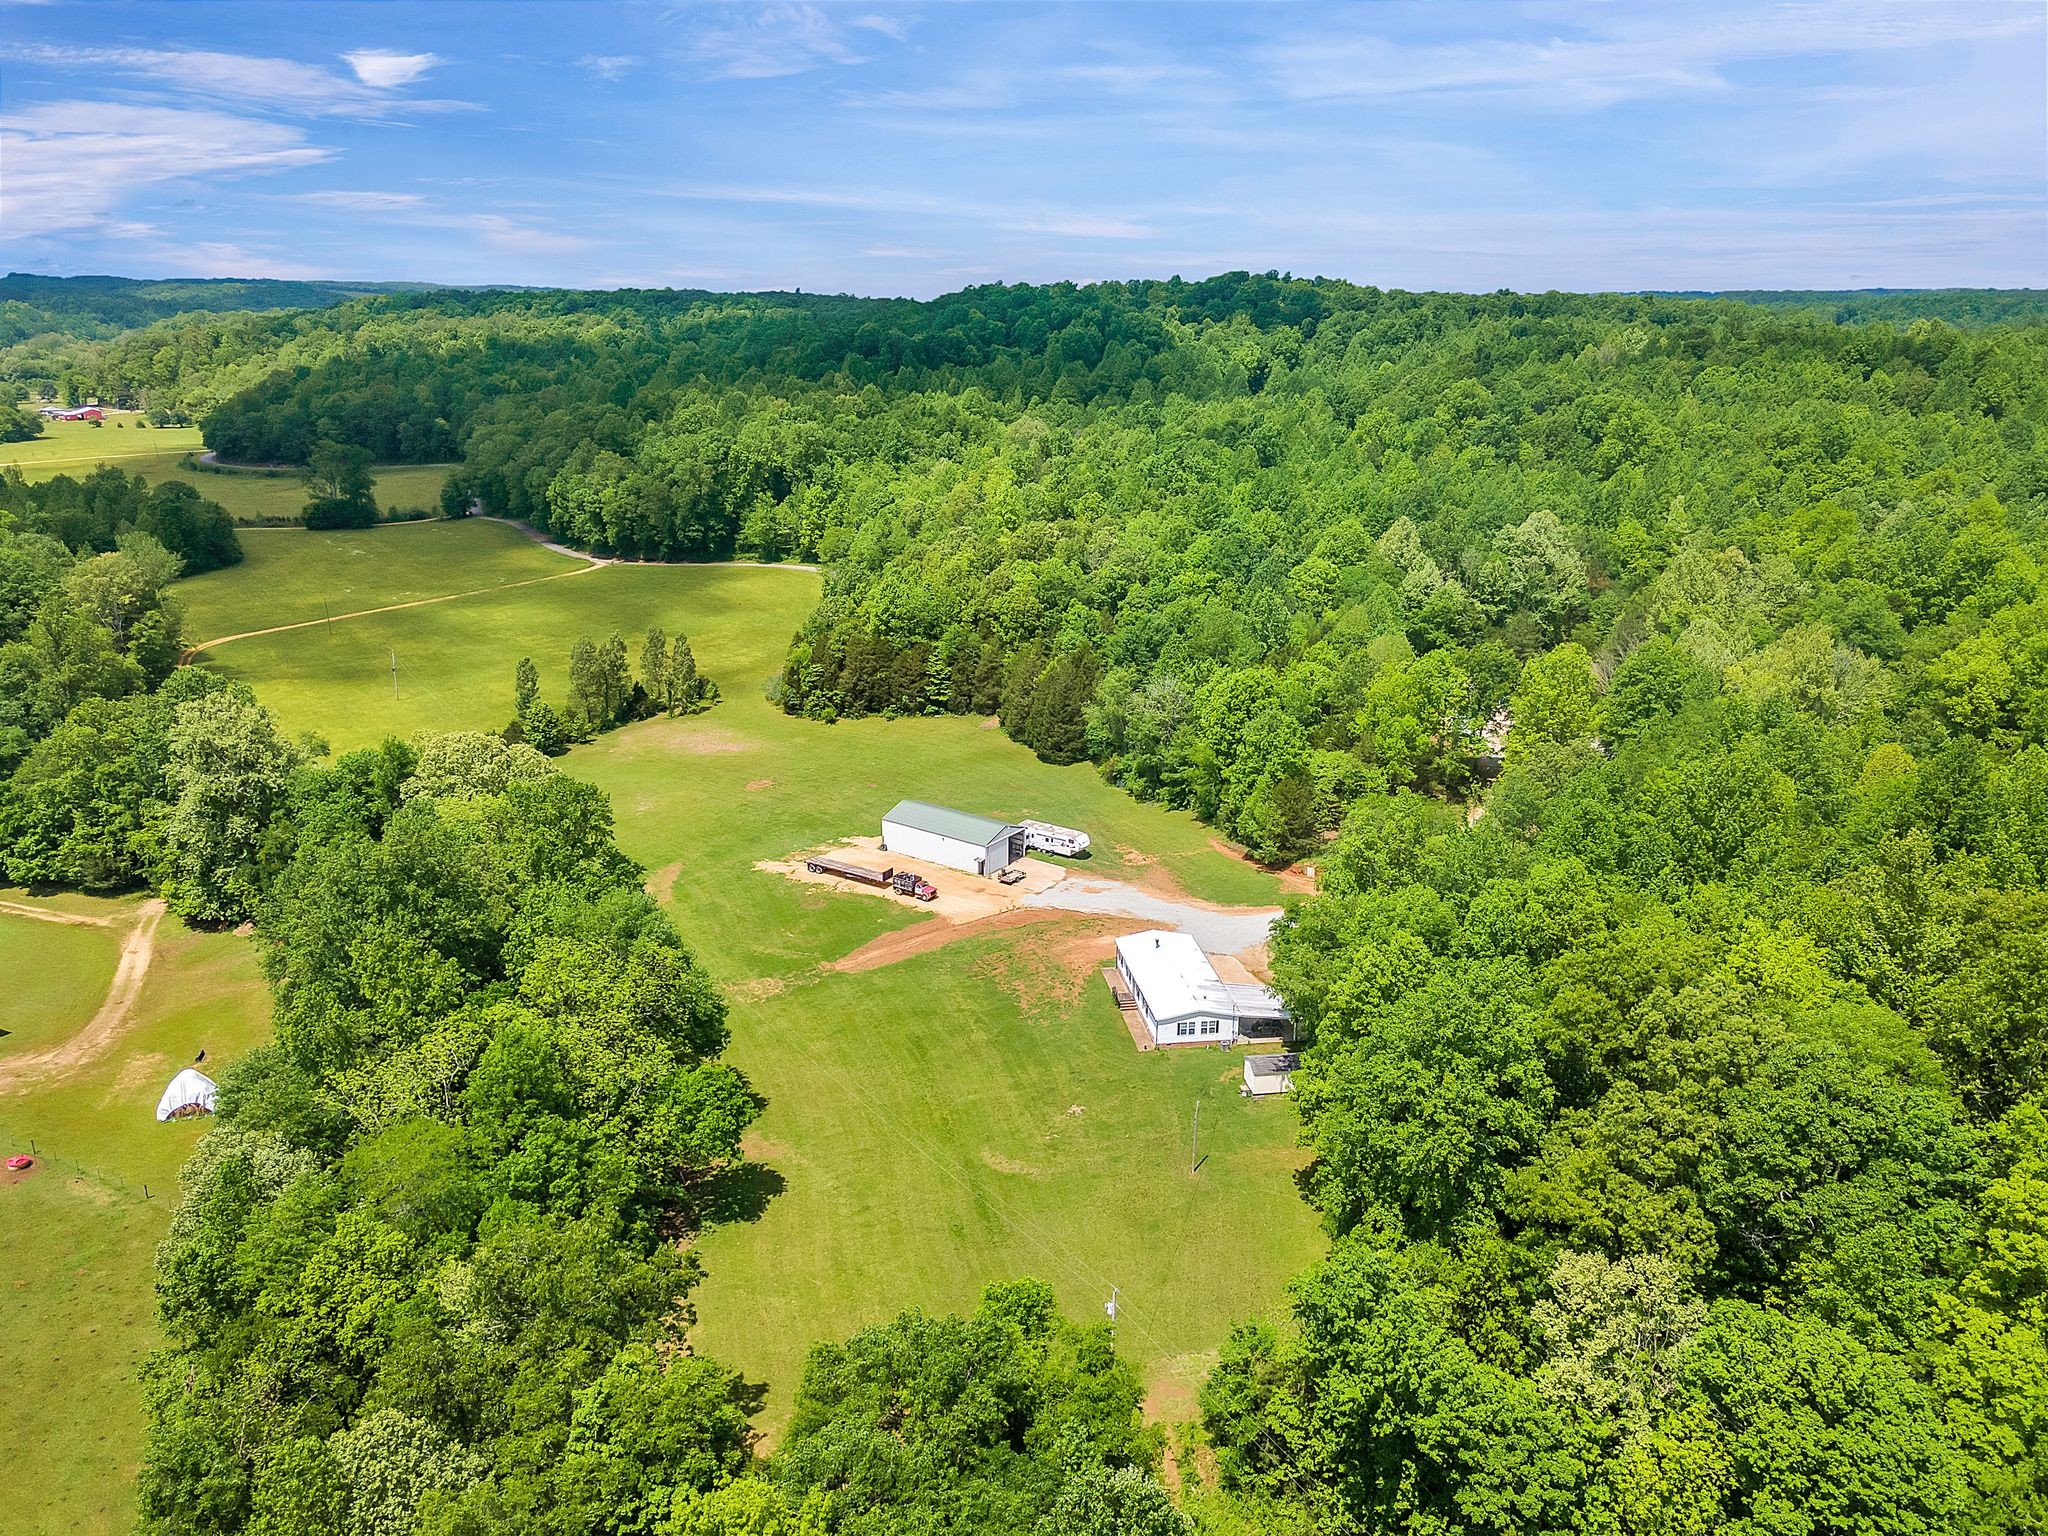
point(1212, 1026)
point(1183, 1029)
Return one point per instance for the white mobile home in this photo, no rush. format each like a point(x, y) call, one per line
point(1182, 1001)
point(1179, 995)
point(956, 839)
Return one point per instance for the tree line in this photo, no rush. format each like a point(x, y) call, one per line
point(604, 694)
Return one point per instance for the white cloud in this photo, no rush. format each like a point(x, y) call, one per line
point(361, 202)
point(497, 230)
point(224, 258)
point(505, 234)
point(1621, 53)
point(772, 40)
point(282, 86)
point(607, 66)
point(1020, 219)
point(71, 164)
point(385, 70)
point(889, 26)
point(1081, 225)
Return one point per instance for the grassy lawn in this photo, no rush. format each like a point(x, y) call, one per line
point(970, 1114)
point(56, 975)
point(77, 448)
point(77, 1235)
point(288, 575)
point(456, 659)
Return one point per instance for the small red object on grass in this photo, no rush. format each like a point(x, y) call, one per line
point(16, 1164)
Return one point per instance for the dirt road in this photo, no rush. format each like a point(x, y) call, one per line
point(105, 1026)
point(47, 915)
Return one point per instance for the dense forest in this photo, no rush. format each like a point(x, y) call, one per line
point(1659, 686)
point(48, 324)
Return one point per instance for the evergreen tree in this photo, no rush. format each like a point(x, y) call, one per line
point(525, 686)
point(586, 681)
point(654, 669)
point(615, 680)
point(685, 687)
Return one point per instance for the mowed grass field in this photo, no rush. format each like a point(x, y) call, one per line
point(77, 1233)
point(972, 1113)
point(289, 576)
point(77, 448)
point(56, 975)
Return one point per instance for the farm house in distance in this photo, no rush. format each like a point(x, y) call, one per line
point(957, 839)
point(1182, 1000)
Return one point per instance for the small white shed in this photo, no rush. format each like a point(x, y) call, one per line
point(1270, 1074)
point(190, 1093)
point(939, 834)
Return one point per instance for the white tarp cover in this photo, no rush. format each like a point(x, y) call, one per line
point(188, 1088)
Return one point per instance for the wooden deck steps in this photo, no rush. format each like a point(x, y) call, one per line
point(1127, 1005)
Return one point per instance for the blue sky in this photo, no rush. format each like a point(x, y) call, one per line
point(870, 148)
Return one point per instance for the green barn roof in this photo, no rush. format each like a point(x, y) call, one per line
point(947, 822)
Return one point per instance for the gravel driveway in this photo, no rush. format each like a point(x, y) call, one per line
point(1218, 932)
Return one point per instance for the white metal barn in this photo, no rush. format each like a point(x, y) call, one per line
point(957, 839)
point(1179, 995)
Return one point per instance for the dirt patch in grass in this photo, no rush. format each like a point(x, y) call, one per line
point(934, 933)
point(962, 898)
point(755, 988)
point(710, 743)
point(1058, 967)
point(1296, 880)
point(1149, 874)
point(757, 1148)
point(662, 881)
point(52, 915)
point(757, 784)
point(1003, 1164)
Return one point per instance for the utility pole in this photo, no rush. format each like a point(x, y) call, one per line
point(394, 672)
point(1110, 1306)
point(1195, 1140)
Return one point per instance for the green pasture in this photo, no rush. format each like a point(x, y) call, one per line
point(455, 660)
point(968, 1114)
point(77, 448)
point(56, 975)
point(289, 575)
point(974, 1112)
point(78, 1233)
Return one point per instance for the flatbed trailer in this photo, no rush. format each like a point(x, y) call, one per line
point(846, 871)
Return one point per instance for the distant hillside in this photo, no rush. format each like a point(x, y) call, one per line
point(49, 325)
point(122, 303)
point(1900, 306)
